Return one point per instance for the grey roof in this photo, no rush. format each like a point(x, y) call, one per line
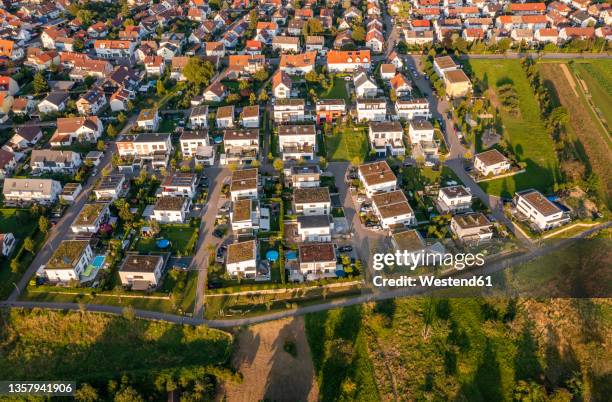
point(314, 221)
point(57, 98)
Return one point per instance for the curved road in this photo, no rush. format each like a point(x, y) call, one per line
point(402, 292)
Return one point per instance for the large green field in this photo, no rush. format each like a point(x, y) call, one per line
point(597, 74)
point(525, 131)
point(347, 143)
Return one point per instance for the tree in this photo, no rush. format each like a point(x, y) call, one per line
point(355, 161)
point(263, 96)
point(312, 26)
point(78, 45)
point(278, 165)
point(100, 145)
point(261, 75)
point(86, 393)
point(160, 88)
point(322, 163)
point(28, 244)
point(358, 34)
point(243, 84)
point(111, 131)
point(40, 84)
point(198, 71)
point(128, 394)
point(14, 265)
point(392, 95)
point(253, 20)
point(252, 98)
point(43, 224)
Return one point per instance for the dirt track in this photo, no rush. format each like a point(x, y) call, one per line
point(269, 371)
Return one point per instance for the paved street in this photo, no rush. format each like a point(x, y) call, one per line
point(62, 228)
point(216, 177)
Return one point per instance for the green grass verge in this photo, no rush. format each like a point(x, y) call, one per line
point(182, 237)
point(525, 132)
point(597, 74)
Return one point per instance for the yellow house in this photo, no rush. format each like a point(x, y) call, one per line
point(6, 102)
point(457, 83)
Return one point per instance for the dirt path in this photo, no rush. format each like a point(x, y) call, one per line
point(270, 372)
point(569, 77)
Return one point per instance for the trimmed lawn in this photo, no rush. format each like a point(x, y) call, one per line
point(182, 237)
point(346, 144)
point(525, 132)
point(167, 126)
point(17, 221)
point(337, 91)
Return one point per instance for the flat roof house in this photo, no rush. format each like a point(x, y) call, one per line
point(387, 137)
point(472, 227)
point(377, 177)
point(169, 209)
point(196, 144)
point(50, 161)
point(289, 110)
point(141, 272)
point(225, 116)
point(69, 261)
point(250, 116)
point(317, 260)
point(179, 184)
point(90, 218)
point(417, 108)
point(148, 119)
point(312, 201)
point(241, 145)
point(244, 215)
point(393, 210)
point(457, 84)
point(297, 141)
point(372, 109)
point(454, 199)
point(491, 162)
point(242, 259)
point(304, 176)
point(198, 117)
point(420, 130)
point(244, 184)
point(541, 212)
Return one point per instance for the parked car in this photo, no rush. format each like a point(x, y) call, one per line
point(345, 249)
point(218, 233)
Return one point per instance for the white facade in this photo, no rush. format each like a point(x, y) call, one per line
point(412, 109)
point(454, 199)
point(371, 109)
point(420, 131)
point(539, 210)
point(43, 191)
point(77, 267)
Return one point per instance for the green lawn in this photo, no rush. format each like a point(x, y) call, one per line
point(167, 126)
point(525, 132)
point(597, 75)
point(85, 346)
point(347, 143)
point(182, 237)
point(337, 91)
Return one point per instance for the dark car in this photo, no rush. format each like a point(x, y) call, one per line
point(218, 233)
point(214, 284)
point(345, 249)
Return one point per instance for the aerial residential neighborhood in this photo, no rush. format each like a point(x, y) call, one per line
point(219, 162)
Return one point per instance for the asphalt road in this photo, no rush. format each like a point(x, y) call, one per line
point(401, 292)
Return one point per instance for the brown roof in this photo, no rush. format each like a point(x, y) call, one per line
point(491, 157)
point(456, 76)
point(539, 202)
point(250, 111)
point(170, 203)
point(410, 240)
point(471, 220)
point(241, 134)
point(377, 172)
point(225, 111)
point(238, 252)
point(244, 174)
point(455, 191)
point(298, 60)
point(280, 77)
point(140, 263)
point(390, 204)
point(241, 210)
point(67, 254)
point(311, 195)
point(307, 129)
point(445, 62)
point(318, 252)
point(72, 124)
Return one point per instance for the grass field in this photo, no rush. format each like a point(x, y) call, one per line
point(337, 91)
point(593, 141)
point(39, 345)
point(525, 132)
point(597, 74)
point(182, 237)
point(347, 143)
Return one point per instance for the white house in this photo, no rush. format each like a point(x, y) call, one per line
point(69, 261)
point(454, 199)
point(148, 119)
point(443, 64)
point(196, 144)
point(281, 85)
point(244, 184)
point(364, 87)
point(372, 109)
point(297, 141)
point(170, 209)
point(420, 130)
point(241, 145)
point(392, 209)
point(50, 161)
point(179, 184)
point(83, 129)
point(289, 110)
point(303, 176)
point(315, 228)
point(387, 136)
point(250, 116)
point(317, 260)
point(245, 215)
point(491, 162)
point(42, 191)
point(417, 108)
point(242, 259)
point(472, 227)
point(90, 218)
point(312, 201)
point(348, 60)
point(539, 210)
point(377, 177)
point(91, 102)
point(225, 116)
point(110, 187)
point(141, 272)
point(54, 102)
point(198, 117)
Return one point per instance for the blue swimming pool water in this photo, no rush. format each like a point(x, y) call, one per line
point(291, 255)
point(98, 261)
